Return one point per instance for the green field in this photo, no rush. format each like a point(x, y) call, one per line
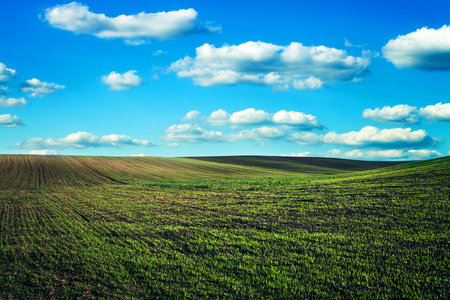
point(223, 227)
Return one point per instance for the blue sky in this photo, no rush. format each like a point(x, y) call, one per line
point(349, 79)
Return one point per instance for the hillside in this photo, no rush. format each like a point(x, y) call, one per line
point(322, 165)
point(33, 171)
point(374, 234)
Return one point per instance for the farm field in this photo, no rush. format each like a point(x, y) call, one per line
point(223, 227)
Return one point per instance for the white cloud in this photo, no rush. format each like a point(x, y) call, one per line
point(372, 136)
point(437, 112)
point(192, 115)
point(399, 114)
point(82, 140)
point(173, 145)
point(13, 102)
point(138, 155)
point(6, 74)
point(262, 63)
point(43, 152)
point(244, 117)
point(189, 133)
point(311, 83)
point(10, 121)
point(218, 117)
point(425, 49)
point(77, 18)
point(125, 81)
point(39, 88)
point(368, 136)
point(392, 154)
point(374, 154)
point(258, 134)
point(297, 119)
point(422, 154)
point(251, 116)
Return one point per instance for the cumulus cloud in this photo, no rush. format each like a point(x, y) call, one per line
point(244, 117)
point(368, 136)
point(425, 49)
point(311, 83)
point(437, 112)
point(13, 102)
point(138, 155)
point(192, 115)
point(10, 121)
point(251, 116)
point(260, 63)
point(257, 134)
point(190, 133)
point(297, 119)
point(81, 140)
point(6, 74)
point(39, 88)
point(399, 114)
point(77, 18)
point(125, 81)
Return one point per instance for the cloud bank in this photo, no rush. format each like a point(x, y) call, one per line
point(125, 81)
point(368, 137)
point(373, 154)
point(81, 140)
point(77, 18)
point(285, 121)
point(425, 49)
point(289, 126)
point(297, 66)
point(190, 133)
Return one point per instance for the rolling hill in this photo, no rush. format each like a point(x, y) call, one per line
point(223, 228)
point(38, 171)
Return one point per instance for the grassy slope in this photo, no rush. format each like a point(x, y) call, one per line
point(33, 171)
point(380, 233)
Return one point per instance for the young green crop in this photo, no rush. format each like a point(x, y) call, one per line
point(380, 233)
